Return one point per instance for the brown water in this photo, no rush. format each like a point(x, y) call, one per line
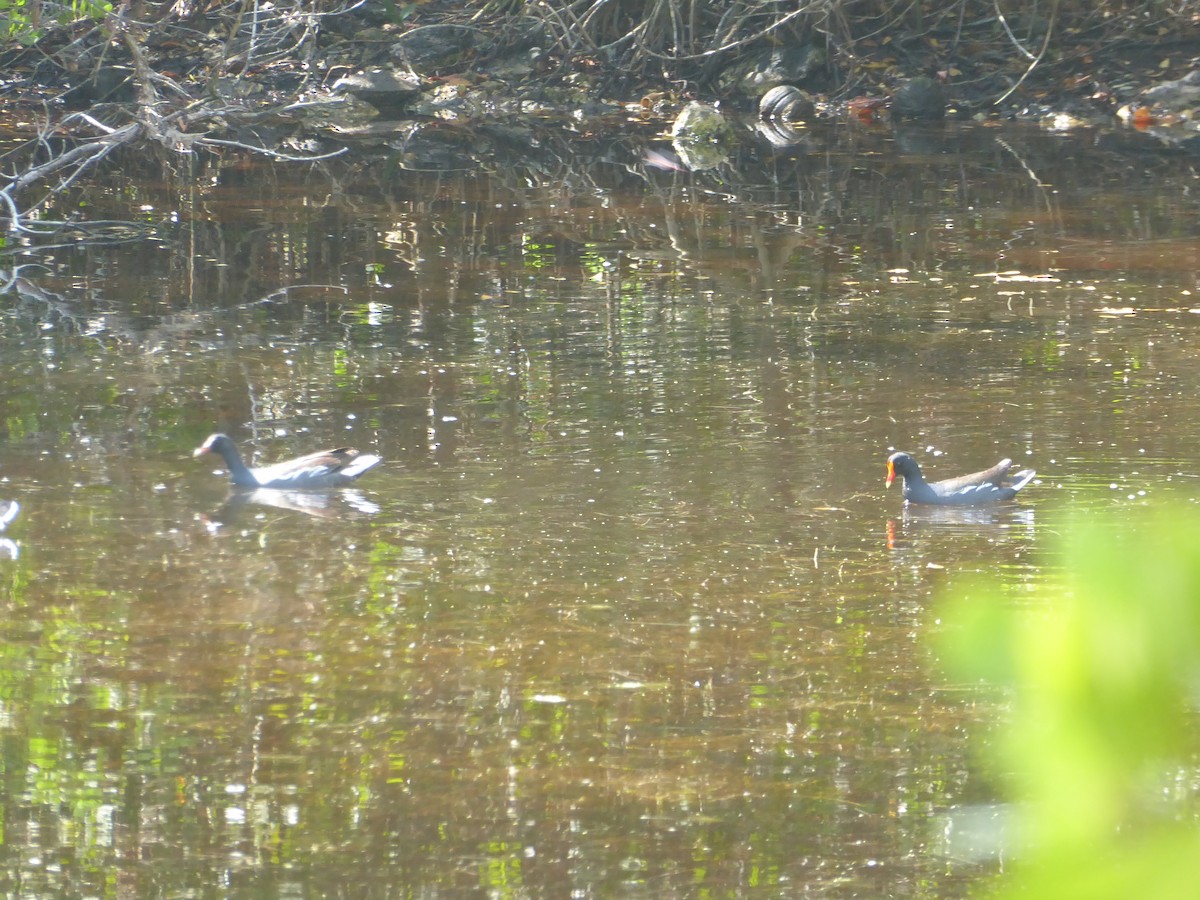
point(627, 611)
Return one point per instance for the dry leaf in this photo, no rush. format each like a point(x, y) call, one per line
point(1142, 117)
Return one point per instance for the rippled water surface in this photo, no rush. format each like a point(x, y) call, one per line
point(627, 611)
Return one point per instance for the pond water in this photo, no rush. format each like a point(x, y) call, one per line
point(627, 611)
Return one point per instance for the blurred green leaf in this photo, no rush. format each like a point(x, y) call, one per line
point(1103, 675)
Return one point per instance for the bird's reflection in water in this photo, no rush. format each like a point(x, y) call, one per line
point(998, 521)
point(915, 515)
point(322, 504)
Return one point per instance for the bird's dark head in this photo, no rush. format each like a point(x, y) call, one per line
point(214, 443)
point(903, 465)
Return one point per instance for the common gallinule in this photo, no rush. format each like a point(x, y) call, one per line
point(987, 486)
point(327, 469)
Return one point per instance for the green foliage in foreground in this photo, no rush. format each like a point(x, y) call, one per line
point(1102, 741)
point(24, 21)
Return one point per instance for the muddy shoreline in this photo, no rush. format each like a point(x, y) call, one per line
point(200, 84)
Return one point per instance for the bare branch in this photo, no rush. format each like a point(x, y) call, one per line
point(273, 154)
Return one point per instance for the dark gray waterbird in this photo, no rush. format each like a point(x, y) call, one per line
point(316, 471)
point(988, 486)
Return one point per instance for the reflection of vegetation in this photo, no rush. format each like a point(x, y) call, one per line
point(1103, 739)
